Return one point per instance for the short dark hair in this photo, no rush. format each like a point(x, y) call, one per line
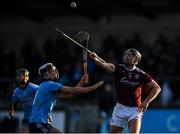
point(21, 70)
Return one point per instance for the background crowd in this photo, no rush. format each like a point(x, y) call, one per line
point(160, 59)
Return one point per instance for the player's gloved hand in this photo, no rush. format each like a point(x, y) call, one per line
point(143, 107)
point(83, 80)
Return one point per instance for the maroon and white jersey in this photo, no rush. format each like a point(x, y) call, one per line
point(128, 85)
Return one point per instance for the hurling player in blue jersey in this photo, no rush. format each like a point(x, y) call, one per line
point(45, 98)
point(24, 94)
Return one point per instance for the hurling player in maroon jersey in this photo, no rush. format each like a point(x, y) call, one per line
point(129, 80)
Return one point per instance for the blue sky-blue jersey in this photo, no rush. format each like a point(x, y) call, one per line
point(44, 101)
point(25, 97)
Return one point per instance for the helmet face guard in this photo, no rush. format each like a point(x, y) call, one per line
point(49, 72)
point(54, 73)
point(131, 57)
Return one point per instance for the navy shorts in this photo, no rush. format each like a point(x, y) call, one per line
point(39, 127)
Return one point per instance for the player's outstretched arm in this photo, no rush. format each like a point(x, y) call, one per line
point(80, 84)
point(81, 90)
point(109, 67)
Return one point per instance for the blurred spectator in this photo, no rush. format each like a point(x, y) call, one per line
point(104, 125)
point(31, 57)
point(160, 58)
point(166, 94)
point(106, 98)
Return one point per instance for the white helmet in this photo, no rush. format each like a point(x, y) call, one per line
point(135, 53)
point(44, 71)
